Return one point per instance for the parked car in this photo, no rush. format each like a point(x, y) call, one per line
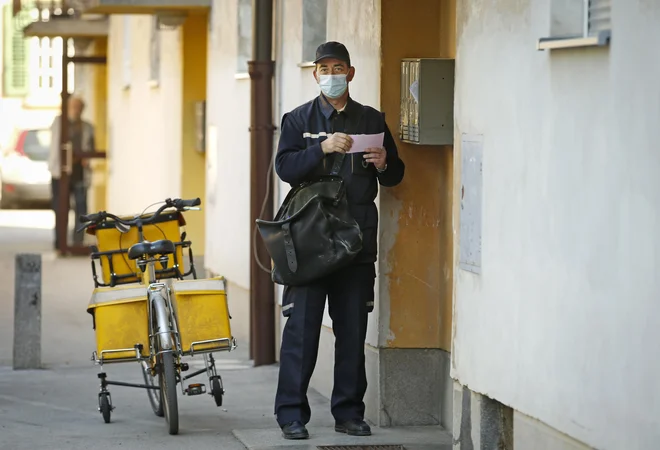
point(24, 174)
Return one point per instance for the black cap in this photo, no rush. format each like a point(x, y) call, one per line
point(333, 50)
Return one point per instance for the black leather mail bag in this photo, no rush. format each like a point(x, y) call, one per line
point(313, 234)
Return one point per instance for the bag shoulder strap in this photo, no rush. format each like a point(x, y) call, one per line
point(336, 166)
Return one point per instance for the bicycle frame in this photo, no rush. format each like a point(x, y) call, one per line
point(169, 340)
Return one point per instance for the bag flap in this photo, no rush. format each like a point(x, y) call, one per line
point(328, 188)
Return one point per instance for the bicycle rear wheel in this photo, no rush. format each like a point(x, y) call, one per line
point(154, 394)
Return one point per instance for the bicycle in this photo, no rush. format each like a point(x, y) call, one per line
point(136, 317)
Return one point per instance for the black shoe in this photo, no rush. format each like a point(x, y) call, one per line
point(295, 430)
point(355, 427)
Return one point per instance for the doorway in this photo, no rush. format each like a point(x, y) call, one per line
point(69, 158)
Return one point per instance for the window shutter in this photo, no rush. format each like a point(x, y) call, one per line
point(599, 19)
point(16, 49)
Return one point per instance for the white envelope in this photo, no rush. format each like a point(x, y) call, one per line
point(361, 142)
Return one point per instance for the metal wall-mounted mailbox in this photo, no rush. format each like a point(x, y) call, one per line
point(427, 101)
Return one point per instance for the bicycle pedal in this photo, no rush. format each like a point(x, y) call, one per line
point(195, 389)
point(184, 367)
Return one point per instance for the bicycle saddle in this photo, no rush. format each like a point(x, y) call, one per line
point(160, 247)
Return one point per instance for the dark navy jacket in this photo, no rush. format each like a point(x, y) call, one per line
point(300, 158)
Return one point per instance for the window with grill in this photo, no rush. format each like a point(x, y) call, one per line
point(45, 70)
point(45, 65)
point(578, 23)
point(32, 66)
point(16, 53)
point(315, 14)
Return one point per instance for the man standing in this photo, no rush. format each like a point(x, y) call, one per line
point(81, 136)
point(311, 136)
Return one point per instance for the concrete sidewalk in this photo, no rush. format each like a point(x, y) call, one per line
point(56, 407)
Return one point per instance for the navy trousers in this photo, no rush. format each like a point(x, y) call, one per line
point(350, 294)
point(79, 193)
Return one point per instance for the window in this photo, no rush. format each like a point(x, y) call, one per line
point(244, 35)
point(154, 52)
point(126, 52)
point(45, 63)
point(32, 66)
point(45, 70)
point(46, 74)
point(578, 23)
point(16, 53)
point(315, 14)
point(598, 18)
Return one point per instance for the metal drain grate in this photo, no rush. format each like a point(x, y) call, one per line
point(362, 447)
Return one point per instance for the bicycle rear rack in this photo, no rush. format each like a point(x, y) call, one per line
point(230, 345)
point(100, 361)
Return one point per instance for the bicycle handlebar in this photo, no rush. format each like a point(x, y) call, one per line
point(94, 217)
point(179, 204)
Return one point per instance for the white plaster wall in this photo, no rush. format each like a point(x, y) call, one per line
point(564, 321)
point(144, 120)
point(531, 434)
point(227, 206)
point(84, 83)
point(228, 171)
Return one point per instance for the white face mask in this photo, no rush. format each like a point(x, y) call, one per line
point(333, 86)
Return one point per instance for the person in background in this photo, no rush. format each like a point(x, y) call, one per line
point(312, 136)
point(81, 136)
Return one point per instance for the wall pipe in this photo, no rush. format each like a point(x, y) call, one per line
point(261, 70)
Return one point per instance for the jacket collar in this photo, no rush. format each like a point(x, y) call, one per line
point(327, 109)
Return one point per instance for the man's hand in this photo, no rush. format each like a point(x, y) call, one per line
point(377, 156)
point(337, 143)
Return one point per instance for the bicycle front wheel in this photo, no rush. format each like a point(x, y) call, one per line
point(167, 382)
point(167, 366)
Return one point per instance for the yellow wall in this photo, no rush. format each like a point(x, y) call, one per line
point(193, 163)
point(100, 74)
point(420, 261)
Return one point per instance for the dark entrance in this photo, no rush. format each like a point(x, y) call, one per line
point(68, 157)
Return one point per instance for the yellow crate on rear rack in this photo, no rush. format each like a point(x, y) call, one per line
point(115, 265)
point(121, 321)
point(202, 315)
